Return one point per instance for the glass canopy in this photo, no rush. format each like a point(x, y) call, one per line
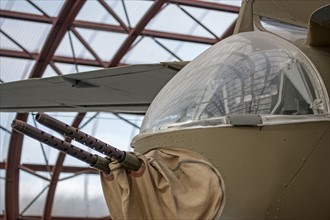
point(248, 73)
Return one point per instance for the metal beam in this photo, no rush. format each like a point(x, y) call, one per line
point(107, 7)
point(136, 31)
point(179, 37)
point(145, 32)
point(207, 5)
point(43, 168)
point(12, 172)
point(62, 23)
point(26, 16)
point(32, 172)
point(3, 165)
point(65, 169)
point(111, 28)
point(89, 48)
point(17, 54)
point(16, 43)
point(197, 4)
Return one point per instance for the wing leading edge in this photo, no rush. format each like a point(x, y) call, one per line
point(128, 89)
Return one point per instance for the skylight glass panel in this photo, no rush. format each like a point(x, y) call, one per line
point(66, 68)
point(5, 132)
point(227, 2)
point(79, 50)
point(84, 68)
point(105, 44)
point(152, 53)
point(75, 191)
point(167, 20)
point(30, 35)
point(18, 6)
point(33, 151)
point(49, 72)
point(33, 188)
point(51, 8)
point(89, 118)
point(93, 11)
point(2, 189)
point(136, 120)
point(187, 51)
point(13, 69)
point(207, 18)
point(7, 44)
point(135, 10)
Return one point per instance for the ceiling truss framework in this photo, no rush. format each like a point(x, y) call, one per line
point(63, 23)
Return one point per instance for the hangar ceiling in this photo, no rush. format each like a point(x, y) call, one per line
point(49, 38)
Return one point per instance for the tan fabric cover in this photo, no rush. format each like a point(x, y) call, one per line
point(177, 184)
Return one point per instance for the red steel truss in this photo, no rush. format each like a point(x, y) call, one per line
point(60, 25)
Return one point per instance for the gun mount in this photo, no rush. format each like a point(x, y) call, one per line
point(127, 159)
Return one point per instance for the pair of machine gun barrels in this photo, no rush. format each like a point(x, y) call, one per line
point(127, 159)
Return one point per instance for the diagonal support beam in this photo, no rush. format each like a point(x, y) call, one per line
point(62, 23)
point(207, 5)
point(89, 48)
point(107, 7)
point(134, 33)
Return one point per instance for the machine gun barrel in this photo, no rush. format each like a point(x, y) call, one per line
point(125, 158)
point(93, 160)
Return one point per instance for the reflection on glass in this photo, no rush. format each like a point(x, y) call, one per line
point(287, 31)
point(249, 73)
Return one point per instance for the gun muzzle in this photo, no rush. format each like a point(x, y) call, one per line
point(125, 158)
point(93, 160)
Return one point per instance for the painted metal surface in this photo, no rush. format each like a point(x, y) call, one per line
point(261, 166)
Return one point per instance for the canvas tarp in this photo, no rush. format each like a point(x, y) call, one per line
point(176, 184)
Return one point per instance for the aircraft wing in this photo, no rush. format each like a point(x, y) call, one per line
point(292, 12)
point(128, 89)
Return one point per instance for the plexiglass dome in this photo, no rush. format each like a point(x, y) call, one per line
point(248, 73)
